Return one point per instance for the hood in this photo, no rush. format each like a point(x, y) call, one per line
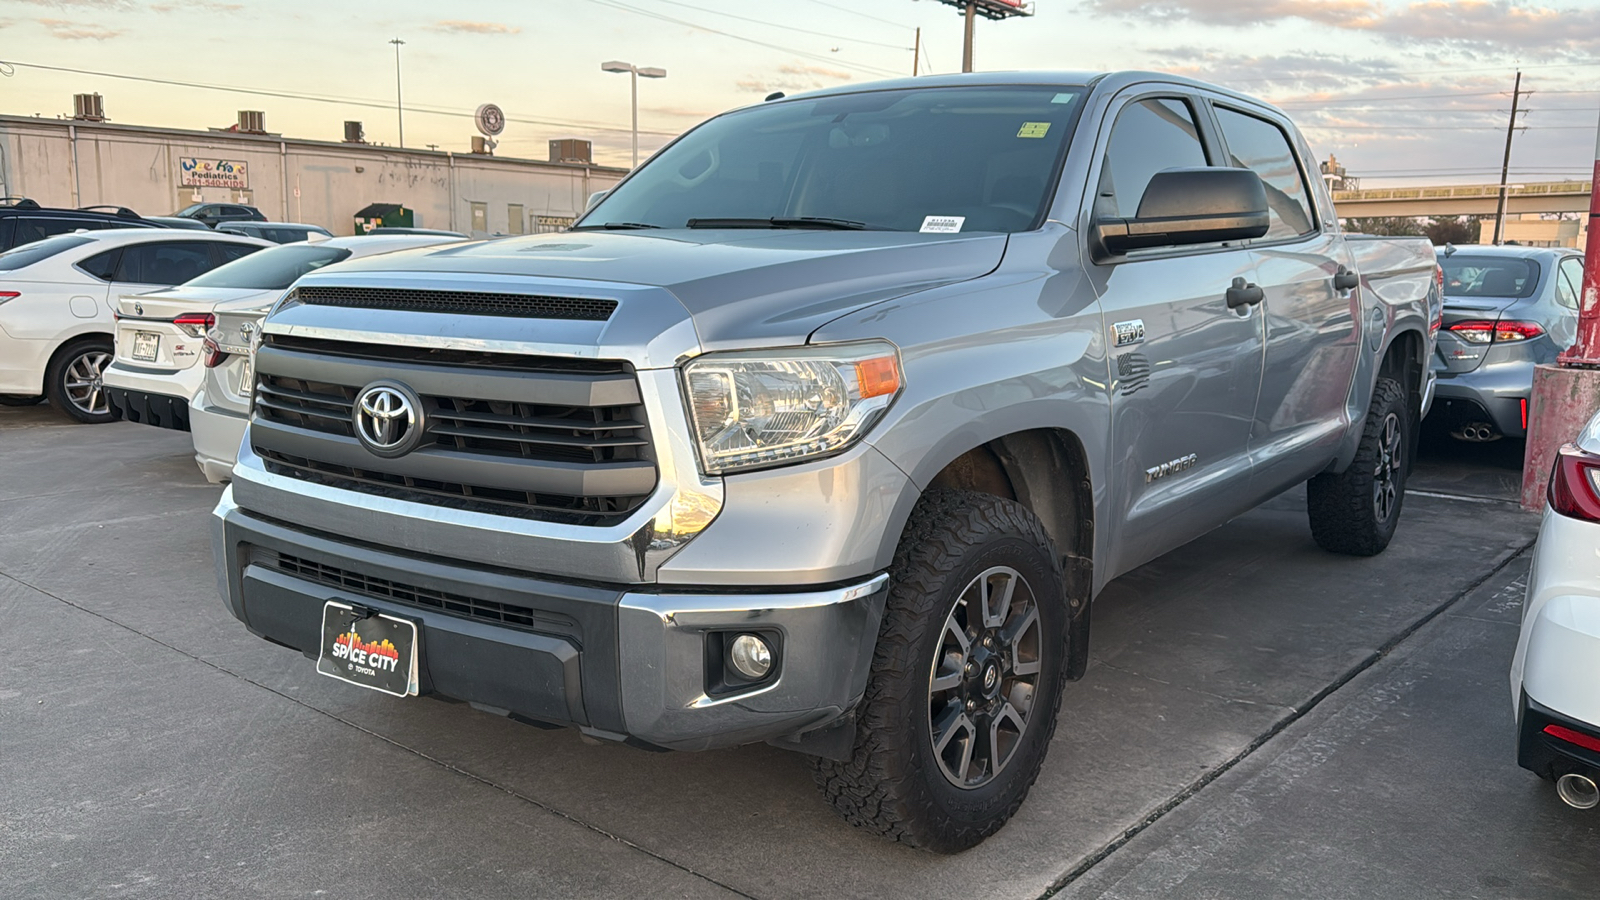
point(174, 302)
point(741, 287)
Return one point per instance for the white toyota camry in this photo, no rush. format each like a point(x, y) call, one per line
point(1555, 674)
point(57, 297)
point(217, 392)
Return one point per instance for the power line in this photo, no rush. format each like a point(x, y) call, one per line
point(857, 12)
point(325, 98)
point(859, 67)
point(836, 37)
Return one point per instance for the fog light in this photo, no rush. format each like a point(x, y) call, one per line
point(750, 656)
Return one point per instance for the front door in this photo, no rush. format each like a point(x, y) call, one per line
point(1184, 367)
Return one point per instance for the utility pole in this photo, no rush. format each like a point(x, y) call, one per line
point(1505, 164)
point(916, 54)
point(399, 111)
point(966, 44)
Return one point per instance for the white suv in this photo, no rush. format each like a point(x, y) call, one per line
point(56, 305)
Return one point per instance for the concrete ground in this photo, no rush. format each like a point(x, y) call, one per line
point(1260, 719)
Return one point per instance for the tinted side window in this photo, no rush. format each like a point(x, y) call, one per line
point(30, 230)
point(1569, 282)
point(1148, 136)
point(231, 252)
point(1262, 146)
point(164, 263)
point(102, 265)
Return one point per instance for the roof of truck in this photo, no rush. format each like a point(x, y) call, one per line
point(1110, 80)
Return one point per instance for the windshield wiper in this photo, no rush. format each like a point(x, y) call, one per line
point(616, 226)
point(781, 222)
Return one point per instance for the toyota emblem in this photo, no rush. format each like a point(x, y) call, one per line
point(388, 418)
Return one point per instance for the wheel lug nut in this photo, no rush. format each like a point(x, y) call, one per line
point(972, 704)
point(972, 668)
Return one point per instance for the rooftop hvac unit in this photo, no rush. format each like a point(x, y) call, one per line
point(88, 107)
point(571, 150)
point(353, 133)
point(482, 145)
point(253, 121)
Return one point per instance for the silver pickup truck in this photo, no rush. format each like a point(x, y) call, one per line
point(826, 426)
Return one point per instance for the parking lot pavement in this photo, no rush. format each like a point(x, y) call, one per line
point(1402, 784)
point(172, 749)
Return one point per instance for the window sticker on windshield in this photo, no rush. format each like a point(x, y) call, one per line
point(943, 224)
point(1033, 129)
point(1063, 98)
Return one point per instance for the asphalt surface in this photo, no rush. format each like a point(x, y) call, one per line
point(1259, 719)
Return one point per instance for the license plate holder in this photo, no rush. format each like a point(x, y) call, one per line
point(145, 345)
point(369, 649)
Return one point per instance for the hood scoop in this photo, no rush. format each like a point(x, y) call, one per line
point(464, 303)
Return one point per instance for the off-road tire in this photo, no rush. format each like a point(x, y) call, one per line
point(56, 386)
point(1343, 510)
point(892, 784)
point(19, 399)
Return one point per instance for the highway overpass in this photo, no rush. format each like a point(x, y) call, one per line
point(1522, 198)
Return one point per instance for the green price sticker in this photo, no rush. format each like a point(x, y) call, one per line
point(1034, 129)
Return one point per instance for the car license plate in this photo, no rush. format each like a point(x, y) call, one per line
point(144, 345)
point(372, 650)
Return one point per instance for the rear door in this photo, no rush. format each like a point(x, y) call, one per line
point(1184, 367)
point(1312, 327)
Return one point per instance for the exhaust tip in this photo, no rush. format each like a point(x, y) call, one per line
point(1578, 791)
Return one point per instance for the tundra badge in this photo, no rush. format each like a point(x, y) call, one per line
point(1169, 468)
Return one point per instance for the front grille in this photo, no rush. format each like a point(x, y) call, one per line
point(538, 443)
point(470, 303)
point(422, 597)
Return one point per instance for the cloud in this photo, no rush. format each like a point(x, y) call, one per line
point(196, 6)
point(1241, 12)
point(678, 112)
point(791, 77)
point(81, 4)
point(73, 31)
point(1462, 24)
point(1285, 72)
point(461, 26)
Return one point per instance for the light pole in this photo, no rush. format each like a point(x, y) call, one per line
point(637, 72)
point(399, 111)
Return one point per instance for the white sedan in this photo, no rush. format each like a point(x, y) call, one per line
point(56, 304)
point(1555, 674)
point(220, 403)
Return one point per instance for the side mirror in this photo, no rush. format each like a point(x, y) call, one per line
point(594, 198)
point(1181, 207)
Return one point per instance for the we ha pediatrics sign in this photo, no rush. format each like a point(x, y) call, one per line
point(219, 173)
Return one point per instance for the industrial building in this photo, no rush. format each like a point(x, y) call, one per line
point(87, 161)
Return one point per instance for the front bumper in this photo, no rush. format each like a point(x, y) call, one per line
point(619, 663)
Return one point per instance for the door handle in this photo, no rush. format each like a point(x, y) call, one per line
point(1345, 280)
point(1242, 294)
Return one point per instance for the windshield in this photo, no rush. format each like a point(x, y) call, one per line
point(29, 254)
point(274, 268)
point(932, 159)
point(1489, 276)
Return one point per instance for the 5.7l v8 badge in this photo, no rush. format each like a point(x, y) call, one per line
point(1129, 332)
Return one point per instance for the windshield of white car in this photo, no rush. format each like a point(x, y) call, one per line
point(272, 269)
point(28, 254)
point(1489, 276)
point(921, 159)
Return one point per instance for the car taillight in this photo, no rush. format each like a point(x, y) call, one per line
point(195, 324)
point(1438, 277)
point(212, 355)
point(1482, 331)
point(8, 295)
point(1573, 491)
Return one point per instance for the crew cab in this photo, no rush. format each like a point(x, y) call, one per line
point(827, 424)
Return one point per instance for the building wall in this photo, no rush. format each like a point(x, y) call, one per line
point(288, 180)
point(1537, 232)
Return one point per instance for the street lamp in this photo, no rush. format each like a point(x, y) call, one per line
point(637, 72)
point(399, 111)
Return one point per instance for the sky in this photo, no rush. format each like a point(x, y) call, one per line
point(1402, 92)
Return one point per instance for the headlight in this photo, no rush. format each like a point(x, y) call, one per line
point(765, 408)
